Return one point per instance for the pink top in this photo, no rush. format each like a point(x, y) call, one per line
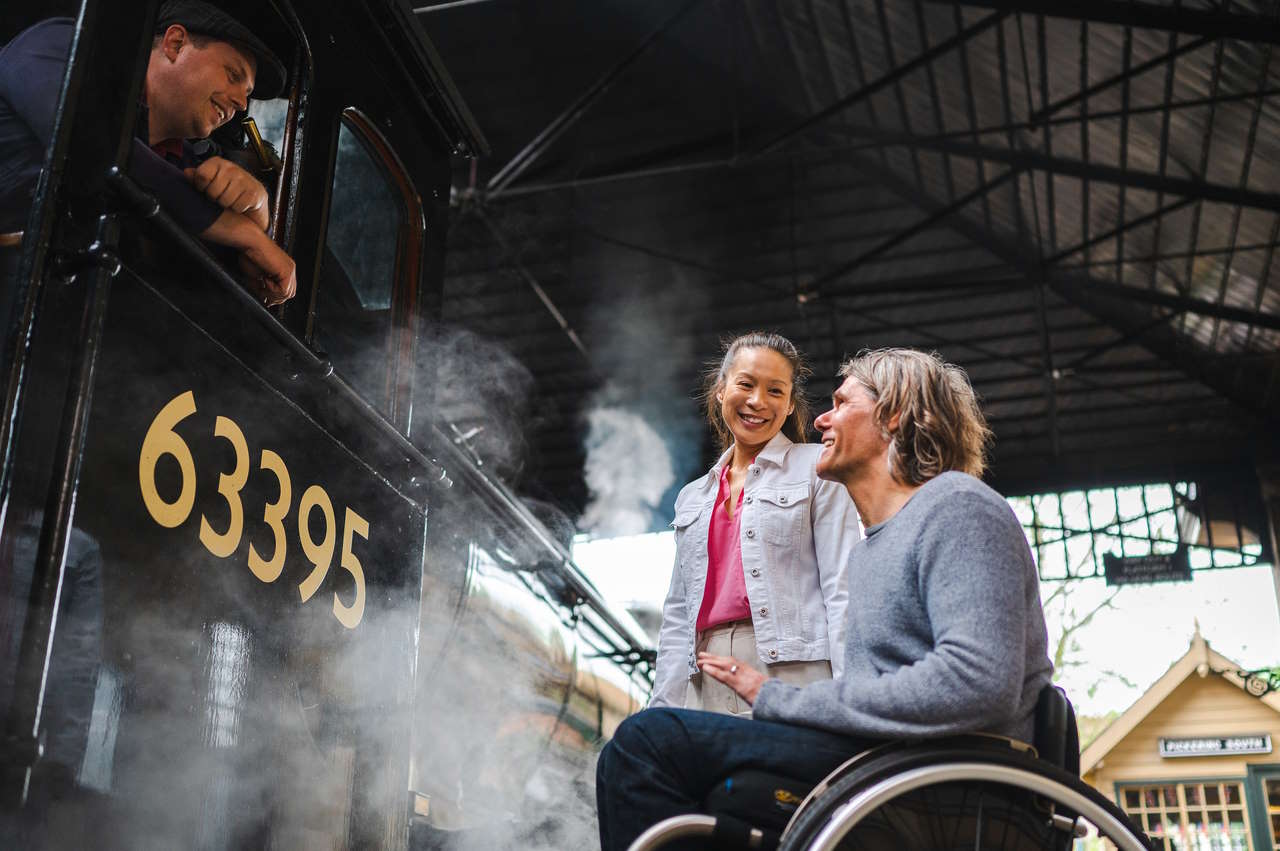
point(725, 596)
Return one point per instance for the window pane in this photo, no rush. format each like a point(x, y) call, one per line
point(1239, 836)
point(270, 116)
point(1196, 816)
point(1273, 793)
point(357, 272)
point(364, 222)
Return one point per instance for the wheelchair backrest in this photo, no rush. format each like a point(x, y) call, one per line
point(1057, 739)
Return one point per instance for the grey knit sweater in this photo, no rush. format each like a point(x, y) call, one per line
point(945, 631)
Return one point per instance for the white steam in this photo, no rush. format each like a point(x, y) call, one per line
point(628, 470)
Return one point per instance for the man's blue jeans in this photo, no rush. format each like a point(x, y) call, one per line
point(662, 762)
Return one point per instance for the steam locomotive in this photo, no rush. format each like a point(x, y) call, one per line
point(254, 590)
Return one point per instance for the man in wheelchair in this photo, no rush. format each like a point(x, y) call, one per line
point(945, 633)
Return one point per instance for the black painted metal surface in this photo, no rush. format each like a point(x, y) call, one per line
point(242, 605)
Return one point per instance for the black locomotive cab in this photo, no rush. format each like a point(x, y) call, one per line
point(250, 594)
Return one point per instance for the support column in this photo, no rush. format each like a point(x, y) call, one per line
point(1269, 478)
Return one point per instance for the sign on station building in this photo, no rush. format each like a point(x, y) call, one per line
point(1156, 567)
point(1215, 745)
point(1192, 760)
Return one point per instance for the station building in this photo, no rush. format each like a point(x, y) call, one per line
point(1193, 761)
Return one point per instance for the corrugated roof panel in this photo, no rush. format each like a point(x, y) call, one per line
point(723, 237)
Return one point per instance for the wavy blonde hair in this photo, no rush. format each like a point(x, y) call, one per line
point(940, 424)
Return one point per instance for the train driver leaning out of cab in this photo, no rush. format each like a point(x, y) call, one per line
point(944, 633)
point(203, 68)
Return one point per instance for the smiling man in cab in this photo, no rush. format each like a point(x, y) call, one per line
point(203, 68)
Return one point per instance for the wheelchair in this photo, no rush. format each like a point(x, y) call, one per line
point(972, 792)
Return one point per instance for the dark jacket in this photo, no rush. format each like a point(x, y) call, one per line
point(32, 67)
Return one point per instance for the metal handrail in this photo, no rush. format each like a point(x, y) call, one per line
point(321, 368)
point(501, 496)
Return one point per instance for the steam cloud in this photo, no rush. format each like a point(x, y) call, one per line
point(643, 433)
point(481, 397)
point(225, 729)
point(628, 470)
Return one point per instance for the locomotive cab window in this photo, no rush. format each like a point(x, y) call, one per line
point(369, 269)
point(260, 137)
point(242, 165)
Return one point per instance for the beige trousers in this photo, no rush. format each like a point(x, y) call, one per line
point(738, 639)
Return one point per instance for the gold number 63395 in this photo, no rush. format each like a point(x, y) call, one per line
point(161, 439)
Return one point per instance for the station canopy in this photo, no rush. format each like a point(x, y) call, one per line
point(1078, 202)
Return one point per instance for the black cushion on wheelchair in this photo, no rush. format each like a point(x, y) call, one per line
point(1057, 739)
point(761, 799)
point(734, 834)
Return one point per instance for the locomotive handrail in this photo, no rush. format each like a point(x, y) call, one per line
point(147, 207)
point(499, 494)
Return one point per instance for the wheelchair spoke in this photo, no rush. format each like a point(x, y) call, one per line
point(977, 830)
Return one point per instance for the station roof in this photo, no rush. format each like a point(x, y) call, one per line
point(1076, 201)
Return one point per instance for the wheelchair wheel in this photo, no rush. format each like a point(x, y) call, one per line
point(983, 797)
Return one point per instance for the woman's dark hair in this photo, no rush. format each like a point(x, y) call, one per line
point(797, 424)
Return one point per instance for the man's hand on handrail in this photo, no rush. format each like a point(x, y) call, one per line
point(272, 270)
point(232, 188)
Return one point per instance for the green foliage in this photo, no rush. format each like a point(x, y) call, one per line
point(1091, 726)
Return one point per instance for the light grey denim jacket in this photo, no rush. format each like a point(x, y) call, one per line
point(796, 532)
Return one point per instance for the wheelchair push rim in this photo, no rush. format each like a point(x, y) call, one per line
point(846, 816)
point(669, 830)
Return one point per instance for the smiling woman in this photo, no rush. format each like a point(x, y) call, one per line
point(761, 542)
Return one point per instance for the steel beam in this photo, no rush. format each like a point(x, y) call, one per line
point(1206, 142)
point(448, 4)
point(876, 85)
point(1082, 297)
point(1120, 342)
point(1042, 115)
point(1149, 16)
point(1246, 163)
point(942, 282)
point(1174, 255)
point(623, 172)
point(1178, 303)
point(1032, 160)
point(1049, 374)
point(1154, 215)
point(562, 122)
point(529, 279)
point(907, 233)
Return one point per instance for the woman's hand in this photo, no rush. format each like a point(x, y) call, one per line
point(739, 676)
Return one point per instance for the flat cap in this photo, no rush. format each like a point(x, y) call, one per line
point(208, 20)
